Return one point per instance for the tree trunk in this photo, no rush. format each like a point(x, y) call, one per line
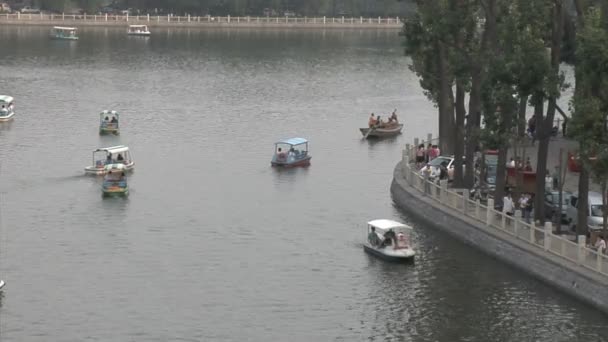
point(445, 103)
point(521, 120)
point(583, 201)
point(560, 185)
point(604, 202)
point(501, 174)
point(488, 41)
point(472, 130)
point(459, 141)
point(544, 126)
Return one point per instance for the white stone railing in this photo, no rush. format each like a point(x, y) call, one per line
point(541, 238)
point(379, 21)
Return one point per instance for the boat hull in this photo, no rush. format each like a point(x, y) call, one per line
point(140, 34)
point(100, 171)
point(113, 192)
point(389, 254)
point(64, 38)
point(382, 132)
point(8, 117)
point(300, 162)
point(106, 131)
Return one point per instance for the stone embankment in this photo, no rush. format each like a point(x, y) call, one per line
point(569, 266)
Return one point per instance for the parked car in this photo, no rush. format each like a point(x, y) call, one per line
point(29, 10)
point(552, 206)
point(448, 162)
point(595, 218)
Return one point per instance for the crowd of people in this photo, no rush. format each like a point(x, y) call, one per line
point(426, 155)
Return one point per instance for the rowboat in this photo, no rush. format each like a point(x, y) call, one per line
point(389, 240)
point(291, 152)
point(7, 110)
point(382, 132)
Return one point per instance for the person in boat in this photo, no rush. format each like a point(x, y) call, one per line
point(401, 241)
point(114, 120)
point(120, 158)
point(373, 238)
point(280, 154)
point(392, 120)
point(372, 121)
point(389, 237)
point(109, 159)
point(106, 119)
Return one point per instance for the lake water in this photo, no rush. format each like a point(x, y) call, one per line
point(213, 244)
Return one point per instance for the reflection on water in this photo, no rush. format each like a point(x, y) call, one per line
point(211, 236)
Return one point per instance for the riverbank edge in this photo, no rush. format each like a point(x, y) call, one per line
point(563, 275)
point(243, 25)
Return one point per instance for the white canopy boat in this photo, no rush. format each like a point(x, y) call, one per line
point(389, 240)
point(64, 33)
point(138, 30)
point(110, 155)
point(1, 283)
point(7, 108)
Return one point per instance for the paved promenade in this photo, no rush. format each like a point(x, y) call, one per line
point(201, 21)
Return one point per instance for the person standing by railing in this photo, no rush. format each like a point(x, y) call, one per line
point(427, 179)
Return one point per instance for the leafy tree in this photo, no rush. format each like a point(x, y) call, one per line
point(590, 105)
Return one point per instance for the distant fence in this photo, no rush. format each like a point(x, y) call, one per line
point(206, 20)
point(541, 239)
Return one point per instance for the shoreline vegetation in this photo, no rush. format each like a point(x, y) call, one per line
point(393, 23)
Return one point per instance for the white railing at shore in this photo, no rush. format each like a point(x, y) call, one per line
point(201, 19)
point(540, 238)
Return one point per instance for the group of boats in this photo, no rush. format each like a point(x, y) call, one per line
point(386, 239)
point(70, 33)
point(114, 162)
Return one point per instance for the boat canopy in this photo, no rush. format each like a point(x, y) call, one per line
point(138, 26)
point(293, 141)
point(6, 99)
point(61, 28)
point(115, 167)
point(388, 224)
point(113, 149)
point(108, 112)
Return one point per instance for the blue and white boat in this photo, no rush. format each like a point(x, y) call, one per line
point(7, 108)
point(115, 181)
point(64, 33)
point(110, 155)
point(108, 122)
point(389, 240)
point(291, 152)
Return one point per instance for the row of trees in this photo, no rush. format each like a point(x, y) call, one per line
point(242, 7)
point(483, 62)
